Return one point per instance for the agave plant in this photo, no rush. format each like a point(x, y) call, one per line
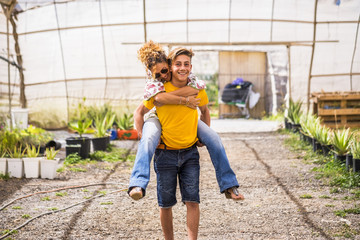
point(341, 141)
point(294, 111)
point(355, 148)
point(81, 127)
point(16, 152)
point(310, 124)
point(323, 135)
point(126, 122)
point(103, 124)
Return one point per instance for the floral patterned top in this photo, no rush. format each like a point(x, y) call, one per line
point(155, 86)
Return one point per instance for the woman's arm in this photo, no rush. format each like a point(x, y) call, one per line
point(139, 113)
point(167, 98)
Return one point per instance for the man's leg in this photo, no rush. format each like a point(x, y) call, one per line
point(189, 187)
point(225, 176)
point(140, 175)
point(166, 219)
point(165, 166)
point(192, 219)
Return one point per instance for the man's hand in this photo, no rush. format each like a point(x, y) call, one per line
point(199, 144)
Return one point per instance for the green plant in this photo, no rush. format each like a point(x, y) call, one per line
point(355, 148)
point(323, 135)
point(31, 151)
point(294, 111)
point(50, 153)
point(73, 158)
point(81, 127)
point(102, 124)
point(309, 124)
point(341, 141)
point(126, 122)
point(16, 152)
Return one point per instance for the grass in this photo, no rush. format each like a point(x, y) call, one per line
point(4, 176)
point(306, 196)
point(331, 172)
point(61, 194)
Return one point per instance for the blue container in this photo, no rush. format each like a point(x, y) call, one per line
point(113, 135)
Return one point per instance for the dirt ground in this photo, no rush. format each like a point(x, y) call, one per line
point(272, 180)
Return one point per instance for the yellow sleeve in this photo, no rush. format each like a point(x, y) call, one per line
point(149, 104)
point(203, 97)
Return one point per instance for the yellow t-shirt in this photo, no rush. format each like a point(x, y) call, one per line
point(178, 122)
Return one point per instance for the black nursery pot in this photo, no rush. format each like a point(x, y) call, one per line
point(73, 149)
point(101, 143)
point(295, 128)
point(349, 161)
point(53, 144)
point(326, 149)
point(356, 165)
point(84, 142)
point(340, 158)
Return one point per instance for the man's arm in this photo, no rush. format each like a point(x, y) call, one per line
point(139, 113)
point(205, 114)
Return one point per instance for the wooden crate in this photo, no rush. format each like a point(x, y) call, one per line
point(337, 109)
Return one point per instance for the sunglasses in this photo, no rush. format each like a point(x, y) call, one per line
point(163, 71)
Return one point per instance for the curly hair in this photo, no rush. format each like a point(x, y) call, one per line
point(151, 53)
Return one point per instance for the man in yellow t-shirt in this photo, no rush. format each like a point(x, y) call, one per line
point(177, 155)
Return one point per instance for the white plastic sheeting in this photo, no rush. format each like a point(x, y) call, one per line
point(88, 48)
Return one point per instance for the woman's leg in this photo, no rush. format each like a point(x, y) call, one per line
point(225, 176)
point(151, 133)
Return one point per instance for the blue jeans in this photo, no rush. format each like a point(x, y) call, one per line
point(170, 165)
point(140, 175)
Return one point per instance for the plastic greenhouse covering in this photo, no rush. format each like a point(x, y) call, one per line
point(88, 49)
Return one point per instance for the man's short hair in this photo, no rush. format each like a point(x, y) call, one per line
point(180, 51)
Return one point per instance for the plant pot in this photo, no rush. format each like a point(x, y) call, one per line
point(349, 161)
point(316, 145)
point(340, 158)
point(287, 124)
point(101, 143)
point(15, 167)
point(326, 149)
point(84, 142)
point(54, 144)
point(128, 134)
point(3, 166)
point(70, 149)
point(32, 167)
point(356, 165)
point(295, 128)
point(48, 168)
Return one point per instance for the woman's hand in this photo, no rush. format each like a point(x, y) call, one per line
point(192, 102)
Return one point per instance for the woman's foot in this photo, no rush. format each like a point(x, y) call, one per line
point(136, 193)
point(233, 193)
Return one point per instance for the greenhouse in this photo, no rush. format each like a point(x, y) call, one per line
point(283, 94)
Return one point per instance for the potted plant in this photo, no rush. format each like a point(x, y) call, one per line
point(81, 127)
point(101, 137)
point(325, 140)
point(355, 151)
point(15, 162)
point(49, 163)
point(3, 161)
point(341, 142)
point(126, 128)
point(32, 162)
point(294, 113)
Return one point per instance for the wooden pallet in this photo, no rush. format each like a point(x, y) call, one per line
point(338, 109)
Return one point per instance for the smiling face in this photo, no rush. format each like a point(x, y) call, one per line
point(181, 68)
point(161, 71)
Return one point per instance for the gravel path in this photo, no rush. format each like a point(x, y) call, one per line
point(272, 180)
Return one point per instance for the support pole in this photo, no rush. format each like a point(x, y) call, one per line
point(312, 59)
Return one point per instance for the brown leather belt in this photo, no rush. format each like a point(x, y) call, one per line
point(163, 146)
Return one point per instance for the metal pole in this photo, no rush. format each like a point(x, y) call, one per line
point(7, 13)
